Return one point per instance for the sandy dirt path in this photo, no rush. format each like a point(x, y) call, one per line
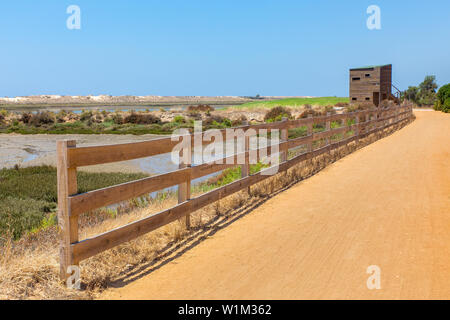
point(387, 204)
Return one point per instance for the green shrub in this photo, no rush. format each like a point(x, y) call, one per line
point(446, 106)
point(443, 99)
point(26, 117)
point(239, 121)
point(309, 111)
point(139, 118)
point(328, 109)
point(277, 114)
point(20, 215)
point(28, 195)
point(179, 119)
point(86, 116)
point(195, 115)
point(227, 122)
point(117, 118)
point(215, 120)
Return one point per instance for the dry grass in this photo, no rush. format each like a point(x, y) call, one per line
point(29, 268)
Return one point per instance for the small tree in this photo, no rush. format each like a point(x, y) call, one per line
point(427, 91)
point(428, 84)
point(443, 99)
point(411, 93)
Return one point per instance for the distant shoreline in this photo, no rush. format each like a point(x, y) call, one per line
point(125, 104)
point(109, 101)
point(50, 101)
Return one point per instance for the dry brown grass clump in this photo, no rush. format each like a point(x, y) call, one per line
point(359, 106)
point(387, 104)
point(277, 114)
point(140, 118)
point(200, 108)
point(341, 104)
point(41, 118)
point(317, 112)
point(29, 269)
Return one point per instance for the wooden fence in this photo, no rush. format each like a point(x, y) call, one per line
point(71, 204)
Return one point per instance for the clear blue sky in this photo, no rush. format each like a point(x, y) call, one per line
point(216, 47)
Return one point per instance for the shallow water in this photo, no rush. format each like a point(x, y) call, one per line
point(79, 110)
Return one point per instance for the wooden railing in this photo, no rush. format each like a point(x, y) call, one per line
point(71, 204)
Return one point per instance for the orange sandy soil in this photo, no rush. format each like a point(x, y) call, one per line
point(387, 204)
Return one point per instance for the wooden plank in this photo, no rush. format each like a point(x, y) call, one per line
point(310, 133)
point(357, 128)
point(320, 135)
point(299, 123)
point(299, 141)
point(208, 168)
point(320, 119)
point(91, 200)
point(87, 156)
point(329, 133)
point(66, 185)
point(184, 188)
point(245, 168)
point(284, 138)
point(338, 116)
point(269, 126)
point(90, 247)
point(328, 129)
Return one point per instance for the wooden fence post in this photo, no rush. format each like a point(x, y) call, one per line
point(396, 113)
point(328, 128)
point(368, 117)
point(380, 123)
point(184, 189)
point(284, 138)
point(68, 226)
point(309, 127)
point(357, 128)
point(366, 120)
point(245, 168)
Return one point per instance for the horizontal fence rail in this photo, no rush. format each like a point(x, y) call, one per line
point(69, 157)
